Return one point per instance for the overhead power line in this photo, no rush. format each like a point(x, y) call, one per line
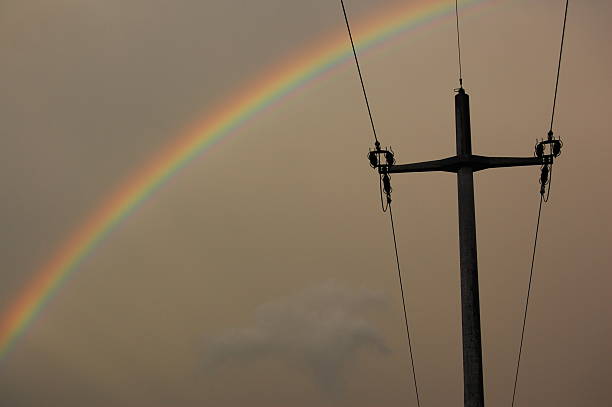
point(546, 170)
point(365, 94)
point(552, 116)
point(458, 44)
point(399, 275)
point(533, 255)
point(464, 164)
point(384, 184)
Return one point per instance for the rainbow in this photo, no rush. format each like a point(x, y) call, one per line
point(261, 94)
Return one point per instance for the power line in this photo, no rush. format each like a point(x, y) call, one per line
point(535, 243)
point(542, 199)
point(458, 44)
point(388, 191)
point(365, 95)
point(399, 274)
point(552, 117)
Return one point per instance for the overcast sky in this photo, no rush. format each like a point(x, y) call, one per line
point(263, 272)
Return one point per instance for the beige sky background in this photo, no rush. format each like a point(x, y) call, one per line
point(263, 272)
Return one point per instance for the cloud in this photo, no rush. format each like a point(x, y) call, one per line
point(320, 330)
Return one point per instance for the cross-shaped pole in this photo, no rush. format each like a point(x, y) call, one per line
point(464, 164)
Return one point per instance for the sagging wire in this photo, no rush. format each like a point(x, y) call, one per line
point(365, 94)
point(554, 146)
point(458, 43)
point(374, 157)
point(399, 275)
point(535, 244)
point(551, 137)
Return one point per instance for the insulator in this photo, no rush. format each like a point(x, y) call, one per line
point(544, 176)
point(373, 157)
point(556, 148)
point(539, 150)
point(390, 158)
point(550, 135)
point(377, 145)
point(387, 184)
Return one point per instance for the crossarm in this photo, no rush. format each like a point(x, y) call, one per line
point(452, 164)
point(482, 162)
point(449, 164)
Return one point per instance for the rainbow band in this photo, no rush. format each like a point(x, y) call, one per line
point(264, 92)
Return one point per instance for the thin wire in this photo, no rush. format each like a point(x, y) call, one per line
point(458, 44)
point(535, 243)
point(399, 274)
point(549, 183)
point(382, 201)
point(542, 199)
point(552, 118)
point(365, 95)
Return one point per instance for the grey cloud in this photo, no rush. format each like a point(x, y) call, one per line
point(320, 330)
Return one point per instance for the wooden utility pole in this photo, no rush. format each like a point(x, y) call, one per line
point(465, 164)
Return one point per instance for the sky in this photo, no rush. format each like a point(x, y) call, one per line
point(263, 272)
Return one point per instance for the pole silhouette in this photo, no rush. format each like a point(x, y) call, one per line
point(464, 164)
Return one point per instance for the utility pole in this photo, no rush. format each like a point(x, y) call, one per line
point(464, 164)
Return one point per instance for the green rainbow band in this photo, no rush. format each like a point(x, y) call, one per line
point(298, 70)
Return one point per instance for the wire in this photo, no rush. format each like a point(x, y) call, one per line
point(388, 207)
point(542, 199)
point(382, 200)
point(549, 184)
point(552, 117)
point(458, 44)
point(365, 95)
point(535, 243)
point(399, 274)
